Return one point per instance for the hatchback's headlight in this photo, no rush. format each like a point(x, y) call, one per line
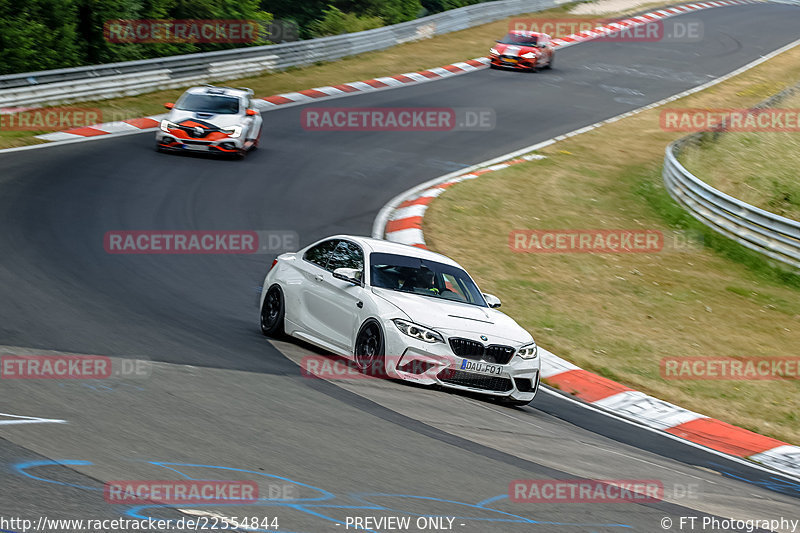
point(166, 125)
point(494, 52)
point(233, 132)
point(529, 55)
point(418, 332)
point(529, 351)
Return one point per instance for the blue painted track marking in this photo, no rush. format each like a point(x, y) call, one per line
point(311, 506)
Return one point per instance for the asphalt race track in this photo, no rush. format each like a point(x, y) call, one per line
point(220, 396)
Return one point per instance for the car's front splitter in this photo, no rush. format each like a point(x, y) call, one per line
point(435, 364)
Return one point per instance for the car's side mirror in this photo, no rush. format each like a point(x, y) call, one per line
point(350, 275)
point(169, 105)
point(492, 300)
point(251, 112)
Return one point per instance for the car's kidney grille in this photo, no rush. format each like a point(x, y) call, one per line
point(467, 348)
point(470, 349)
point(499, 354)
point(475, 381)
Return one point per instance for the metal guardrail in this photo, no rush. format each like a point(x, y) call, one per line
point(135, 77)
point(770, 234)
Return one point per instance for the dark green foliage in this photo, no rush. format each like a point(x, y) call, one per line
point(48, 34)
point(335, 22)
point(437, 6)
point(38, 35)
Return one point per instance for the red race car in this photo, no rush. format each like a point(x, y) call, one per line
point(523, 50)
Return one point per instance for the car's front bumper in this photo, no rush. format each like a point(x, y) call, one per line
point(226, 145)
point(516, 63)
point(436, 364)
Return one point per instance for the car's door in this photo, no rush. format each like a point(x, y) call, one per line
point(312, 268)
point(338, 310)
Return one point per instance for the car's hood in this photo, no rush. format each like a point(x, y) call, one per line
point(454, 318)
point(514, 50)
point(220, 121)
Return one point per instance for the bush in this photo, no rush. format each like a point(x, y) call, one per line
point(49, 34)
point(336, 21)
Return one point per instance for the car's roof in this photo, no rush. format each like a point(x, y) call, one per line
point(240, 92)
point(379, 245)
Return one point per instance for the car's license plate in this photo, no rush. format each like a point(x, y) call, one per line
point(510, 60)
point(194, 147)
point(481, 367)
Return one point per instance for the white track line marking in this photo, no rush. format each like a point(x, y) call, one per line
point(782, 458)
point(19, 420)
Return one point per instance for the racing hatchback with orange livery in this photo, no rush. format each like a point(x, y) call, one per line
point(210, 119)
point(522, 50)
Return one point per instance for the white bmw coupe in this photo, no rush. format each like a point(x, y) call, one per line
point(414, 314)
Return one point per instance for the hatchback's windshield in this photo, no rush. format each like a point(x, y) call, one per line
point(521, 40)
point(424, 277)
point(209, 103)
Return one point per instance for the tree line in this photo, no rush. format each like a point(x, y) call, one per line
point(50, 34)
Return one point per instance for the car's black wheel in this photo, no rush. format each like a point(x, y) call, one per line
point(550, 63)
point(272, 312)
point(370, 350)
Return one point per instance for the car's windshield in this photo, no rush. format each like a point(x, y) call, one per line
point(423, 277)
point(521, 40)
point(209, 103)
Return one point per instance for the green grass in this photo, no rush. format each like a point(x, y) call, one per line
point(652, 191)
point(760, 168)
point(619, 314)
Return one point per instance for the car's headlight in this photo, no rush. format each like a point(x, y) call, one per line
point(529, 351)
point(233, 132)
point(166, 125)
point(494, 52)
point(529, 55)
point(418, 332)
